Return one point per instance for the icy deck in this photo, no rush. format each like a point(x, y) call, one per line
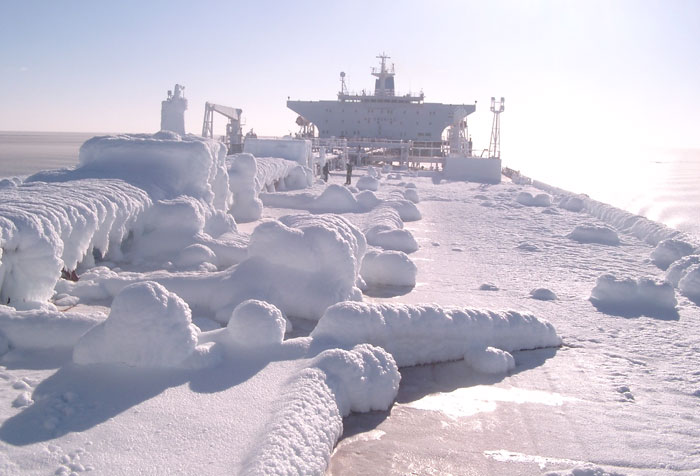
point(622, 393)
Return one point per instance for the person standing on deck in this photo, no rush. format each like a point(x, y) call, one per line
point(325, 171)
point(348, 176)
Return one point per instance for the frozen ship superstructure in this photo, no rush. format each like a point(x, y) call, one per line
point(382, 115)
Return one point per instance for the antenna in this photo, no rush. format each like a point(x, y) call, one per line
point(343, 86)
point(497, 107)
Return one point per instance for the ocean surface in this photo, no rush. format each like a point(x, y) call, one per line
point(661, 184)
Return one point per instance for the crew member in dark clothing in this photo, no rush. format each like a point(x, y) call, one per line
point(348, 176)
point(326, 171)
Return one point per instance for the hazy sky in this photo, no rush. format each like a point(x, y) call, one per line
point(598, 74)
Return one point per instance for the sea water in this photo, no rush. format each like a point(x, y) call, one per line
point(660, 184)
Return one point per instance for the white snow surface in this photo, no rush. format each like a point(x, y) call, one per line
point(156, 248)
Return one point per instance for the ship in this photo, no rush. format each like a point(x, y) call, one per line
point(383, 115)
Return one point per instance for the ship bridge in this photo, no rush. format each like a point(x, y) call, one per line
point(383, 114)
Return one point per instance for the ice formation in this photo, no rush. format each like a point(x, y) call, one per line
point(627, 296)
point(148, 326)
point(543, 294)
point(45, 328)
point(366, 182)
point(407, 331)
point(45, 227)
point(533, 200)
point(669, 250)
point(250, 176)
point(489, 360)
point(679, 268)
point(689, 284)
point(389, 268)
point(595, 234)
point(256, 324)
point(300, 436)
point(385, 230)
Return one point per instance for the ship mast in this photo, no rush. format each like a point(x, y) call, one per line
point(382, 75)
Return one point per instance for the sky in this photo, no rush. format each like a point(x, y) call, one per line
point(578, 77)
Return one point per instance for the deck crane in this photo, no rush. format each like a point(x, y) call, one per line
point(234, 131)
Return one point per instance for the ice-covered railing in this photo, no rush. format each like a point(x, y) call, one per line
point(168, 194)
point(647, 230)
point(45, 227)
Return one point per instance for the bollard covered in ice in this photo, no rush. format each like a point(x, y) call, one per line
point(669, 250)
point(367, 182)
point(679, 268)
point(689, 285)
point(410, 332)
point(489, 360)
point(365, 378)
point(627, 296)
point(256, 324)
point(388, 268)
point(148, 326)
point(602, 234)
point(537, 200)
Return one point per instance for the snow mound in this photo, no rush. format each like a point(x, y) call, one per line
point(410, 332)
point(45, 328)
point(669, 250)
point(488, 287)
point(407, 209)
point(363, 379)
point(148, 326)
point(335, 199)
point(388, 268)
point(300, 436)
point(367, 200)
point(367, 182)
point(489, 360)
point(256, 324)
point(595, 234)
point(627, 296)
point(680, 267)
point(530, 200)
point(543, 294)
point(572, 203)
point(585, 470)
point(411, 194)
point(386, 231)
point(689, 285)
